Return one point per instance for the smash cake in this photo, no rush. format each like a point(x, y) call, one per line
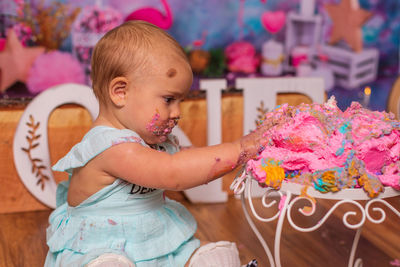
point(320, 146)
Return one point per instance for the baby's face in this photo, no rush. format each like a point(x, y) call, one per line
point(154, 103)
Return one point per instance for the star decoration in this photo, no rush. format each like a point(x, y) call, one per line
point(348, 19)
point(16, 61)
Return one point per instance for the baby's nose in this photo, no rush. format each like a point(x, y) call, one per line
point(175, 113)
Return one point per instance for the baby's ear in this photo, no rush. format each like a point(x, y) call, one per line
point(118, 90)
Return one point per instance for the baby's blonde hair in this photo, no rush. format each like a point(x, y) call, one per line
point(124, 51)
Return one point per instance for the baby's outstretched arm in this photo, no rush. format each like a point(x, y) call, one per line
point(185, 169)
point(150, 168)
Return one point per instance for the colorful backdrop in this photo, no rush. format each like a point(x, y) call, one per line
point(219, 23)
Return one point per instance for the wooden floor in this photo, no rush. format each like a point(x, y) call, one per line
point(23, 241)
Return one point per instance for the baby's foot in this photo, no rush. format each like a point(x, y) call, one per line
point(111, 260)
point(221, 253)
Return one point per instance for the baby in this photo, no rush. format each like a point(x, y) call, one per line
point(112, 210)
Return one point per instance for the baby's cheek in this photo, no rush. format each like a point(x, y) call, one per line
point(152, 125)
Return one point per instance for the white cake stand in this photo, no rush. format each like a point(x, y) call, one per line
point(289, 194)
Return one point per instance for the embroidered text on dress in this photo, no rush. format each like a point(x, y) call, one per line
point(137, 189)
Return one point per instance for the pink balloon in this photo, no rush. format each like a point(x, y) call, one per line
point(273, 21)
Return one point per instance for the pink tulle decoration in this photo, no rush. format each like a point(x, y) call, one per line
point(242, 57)
point(54, 68)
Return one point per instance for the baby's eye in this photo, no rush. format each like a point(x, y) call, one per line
point(168, 99)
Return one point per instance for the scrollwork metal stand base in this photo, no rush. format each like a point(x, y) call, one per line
point(289, 194)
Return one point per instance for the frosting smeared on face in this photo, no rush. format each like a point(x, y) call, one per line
point(160, 127)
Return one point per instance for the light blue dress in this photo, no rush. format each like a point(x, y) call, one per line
point(121, 218)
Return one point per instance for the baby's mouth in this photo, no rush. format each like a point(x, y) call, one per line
point(163, 128)
point(169, 125)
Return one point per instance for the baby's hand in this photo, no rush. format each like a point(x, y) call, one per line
point(254, 142)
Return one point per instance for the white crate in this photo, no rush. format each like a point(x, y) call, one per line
point(351, 69)
point(301, 31)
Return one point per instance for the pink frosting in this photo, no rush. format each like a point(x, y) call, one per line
point(319, 138)
point(390, 176)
